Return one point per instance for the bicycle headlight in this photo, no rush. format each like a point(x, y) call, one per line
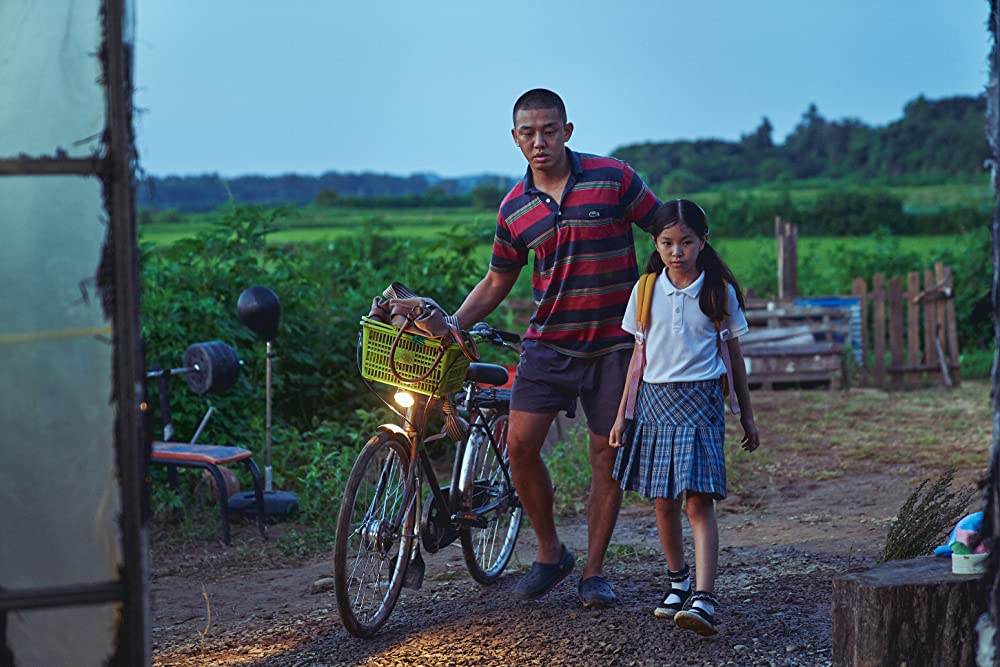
point(403, 399)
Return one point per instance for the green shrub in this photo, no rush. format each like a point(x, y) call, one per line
point(569, 466)
point(322, 411)
point(842, 212)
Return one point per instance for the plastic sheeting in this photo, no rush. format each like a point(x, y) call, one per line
point(59, 493)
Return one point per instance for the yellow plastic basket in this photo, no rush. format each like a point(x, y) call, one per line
point(414, 355)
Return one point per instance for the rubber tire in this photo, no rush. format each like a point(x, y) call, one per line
point(375, 452)
point(488, 573)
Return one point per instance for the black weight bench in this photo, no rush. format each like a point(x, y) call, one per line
point(208, 367)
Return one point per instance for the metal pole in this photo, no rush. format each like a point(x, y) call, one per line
point(267, 420)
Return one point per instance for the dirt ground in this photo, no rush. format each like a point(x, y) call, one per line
point(814, 503)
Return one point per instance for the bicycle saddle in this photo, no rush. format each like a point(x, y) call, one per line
point(490, 374)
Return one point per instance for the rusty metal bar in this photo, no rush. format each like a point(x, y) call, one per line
point(24, 165)
point(62, 596)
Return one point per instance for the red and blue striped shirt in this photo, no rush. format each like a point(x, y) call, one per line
point(585, 263)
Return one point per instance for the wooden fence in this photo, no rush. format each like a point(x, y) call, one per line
point(915, 322)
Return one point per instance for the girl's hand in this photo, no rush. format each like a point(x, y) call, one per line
point(615, 439)
point(751, 439)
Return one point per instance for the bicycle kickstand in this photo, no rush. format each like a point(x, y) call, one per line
point(414, 577)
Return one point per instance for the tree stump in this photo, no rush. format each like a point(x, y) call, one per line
point(909, 612)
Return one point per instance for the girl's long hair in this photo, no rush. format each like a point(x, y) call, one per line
point(714, 297)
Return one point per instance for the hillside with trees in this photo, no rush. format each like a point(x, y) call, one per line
point(935, 141)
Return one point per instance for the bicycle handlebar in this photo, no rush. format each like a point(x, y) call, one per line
point(489, 334)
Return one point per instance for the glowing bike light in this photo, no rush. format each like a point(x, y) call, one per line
point(403, 399)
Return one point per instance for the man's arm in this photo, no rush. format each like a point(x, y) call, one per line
point(485, 297)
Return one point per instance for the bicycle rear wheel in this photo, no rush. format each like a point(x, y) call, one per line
point(374, 535)
point(488, 550)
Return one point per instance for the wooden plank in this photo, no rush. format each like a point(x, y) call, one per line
point(921, 368)
point(878, 328)
point(930, 355)
point(768, 380)
point(777, 333)
point(793, 343)
point(779, 349)
point(896, 327)
point(787, 364)
point(952, 326)
point(940, 321)
point(860, 289)
point(912, 325)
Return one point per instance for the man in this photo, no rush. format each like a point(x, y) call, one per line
point(575, 212)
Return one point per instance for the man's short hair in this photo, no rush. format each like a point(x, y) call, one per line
point(539, 98)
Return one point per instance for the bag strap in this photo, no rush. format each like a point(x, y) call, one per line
point(723, 331)
point(392, 355)
point(644, 300)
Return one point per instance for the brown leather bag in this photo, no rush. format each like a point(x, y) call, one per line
point(421, 316)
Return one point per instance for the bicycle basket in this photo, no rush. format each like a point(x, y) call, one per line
point(414, 356)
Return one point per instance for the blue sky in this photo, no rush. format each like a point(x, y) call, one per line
point(397, 86)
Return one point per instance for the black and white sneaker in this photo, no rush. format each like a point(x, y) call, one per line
point(700, 616)
point(677, 594)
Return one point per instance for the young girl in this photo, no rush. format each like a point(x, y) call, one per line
point(676, 447)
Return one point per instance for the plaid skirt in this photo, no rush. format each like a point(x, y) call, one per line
point(678, 443)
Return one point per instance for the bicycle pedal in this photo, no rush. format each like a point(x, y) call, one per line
point(414, 577)
point(469, 519)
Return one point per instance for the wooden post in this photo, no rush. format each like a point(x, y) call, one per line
point(908, 612)
point(860, 289)
point(913, 359)
point(941, 328)
point(930, 329)
point(878, 328)
point(952, 326)
point(787, 236)
point(896, 332)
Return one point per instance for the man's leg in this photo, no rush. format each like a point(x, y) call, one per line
point(603, 505)
point(531, 478)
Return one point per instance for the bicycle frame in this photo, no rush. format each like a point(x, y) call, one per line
point(448, 519)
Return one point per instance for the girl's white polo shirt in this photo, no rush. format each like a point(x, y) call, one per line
point(680, 343)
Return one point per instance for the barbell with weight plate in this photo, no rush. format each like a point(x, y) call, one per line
point(214, 365)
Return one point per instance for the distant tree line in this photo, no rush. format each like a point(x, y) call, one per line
point(934, 141)
point(207, 192)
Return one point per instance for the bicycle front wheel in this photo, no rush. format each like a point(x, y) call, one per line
point(491, 495)
point(374, 535)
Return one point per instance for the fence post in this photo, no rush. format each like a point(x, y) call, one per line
point(860, 289)
point(787, 237)
point(913, 327)
point(896, 332)
point(952, 325)
point(878, 328)
point(930, 329)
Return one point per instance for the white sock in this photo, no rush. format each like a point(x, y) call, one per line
point(705, 605)
point(684, 585)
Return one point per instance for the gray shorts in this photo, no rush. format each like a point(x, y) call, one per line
point(548, 381)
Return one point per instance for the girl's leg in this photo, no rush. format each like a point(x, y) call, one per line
point(701, 515)
point(668, 524)
point(700, 615)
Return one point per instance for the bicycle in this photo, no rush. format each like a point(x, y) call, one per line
point(379, 538)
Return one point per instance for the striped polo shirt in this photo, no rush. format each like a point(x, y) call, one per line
point(585, 263)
